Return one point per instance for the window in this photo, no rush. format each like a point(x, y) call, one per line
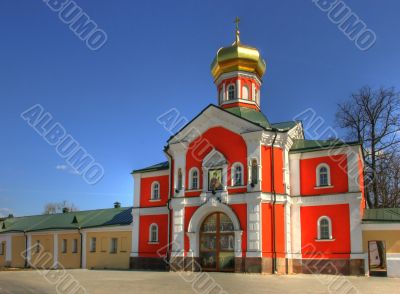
point(37, 247)
point(245, 92)
point(114, 245)
point(180, 184)
point(93, 245)
point(153, 238)
point(231, 92)
point(254, 172)
point(324, 228)
point(155, 191)
point(194, 178)
point(2, 245)
point(64, 246)
point(237, 174)
point(323, 175)
point(75, 246)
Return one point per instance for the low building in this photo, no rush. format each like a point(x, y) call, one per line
point(95, 239)
point(381, 239)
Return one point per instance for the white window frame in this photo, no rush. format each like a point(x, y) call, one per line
point(153, 225)
point(192, 170)
point(318, 172)
point(74, 245)
point(233, 173)
point(234, 92)
point(93, 244)
point(114, 249)
point(64, 246)
point(152, 198)
point(324, 217)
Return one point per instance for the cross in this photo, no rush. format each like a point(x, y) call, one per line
point(237, 21)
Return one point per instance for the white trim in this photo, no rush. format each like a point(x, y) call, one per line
point(152, 174)
point(323, 187)
point(201, 214)
point(125, 228)
point(55, 250)
point(135, 232)
point(153, 184)
point(150, 240)
point(380, 227)
point(233, 174)
point(318, 175)
point(321, 218)
point(83, 249)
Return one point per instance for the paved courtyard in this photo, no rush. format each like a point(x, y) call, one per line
point(117, 282)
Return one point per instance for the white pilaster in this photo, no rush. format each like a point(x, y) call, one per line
point(253, 228)
point(296, 230)
point(294, 165)
point(135, 232)
point(83, 249)
point(178, 232)
point(29, 249)
point(238, 89)
point(353, 170)
point(136, 191)
point(55, 250)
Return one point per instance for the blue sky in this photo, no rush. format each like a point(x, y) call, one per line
point(158, 56)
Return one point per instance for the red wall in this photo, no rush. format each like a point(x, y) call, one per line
point(150, 250)
point(340, 217)
point(266, 169)
point(267, 230)
point(241, 213)
point(338, 171)
point(145, 191)
point(230, 144)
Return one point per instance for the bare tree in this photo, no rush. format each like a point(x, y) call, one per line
point(372, 118)
point(63, 206)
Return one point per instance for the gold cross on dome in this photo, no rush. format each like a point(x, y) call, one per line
point(237, 21)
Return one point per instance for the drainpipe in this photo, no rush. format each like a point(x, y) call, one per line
point(274, 259)
point(81, 255)
point(168, 203)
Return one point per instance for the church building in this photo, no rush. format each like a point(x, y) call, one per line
point(241, 194)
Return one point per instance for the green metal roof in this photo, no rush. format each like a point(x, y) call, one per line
point(159, 166)
point(252, 115)
point(380, 215)
point(284, 126)
point(300, 145)
point(65, 221)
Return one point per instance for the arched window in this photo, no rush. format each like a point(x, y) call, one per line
point(324, 228)
point(155, 191)
point(153, 233)
point(254, 172)
point(180, 184)
point(323, 175)
point(245, 92)
point(237, 174)
point(231, 92)
point(194, 178)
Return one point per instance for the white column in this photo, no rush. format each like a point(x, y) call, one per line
point(296, 230)
point(8, 249)
point(223, 93)
point(83, 249)
point(288, 233)
point(238, 96)
point(294, 165)
point(135, 232)
point(55, 250)
point(29, 249)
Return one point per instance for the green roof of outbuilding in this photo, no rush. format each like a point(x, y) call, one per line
point(159, 166)
point(381, 215)
point(252, 115)
point(65, 221)
point(300, 145)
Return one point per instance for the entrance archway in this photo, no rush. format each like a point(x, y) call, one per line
point(217, 243)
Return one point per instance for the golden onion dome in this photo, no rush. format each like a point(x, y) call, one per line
point(238, 57)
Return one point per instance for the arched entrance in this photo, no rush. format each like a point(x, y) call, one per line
point(217, 243)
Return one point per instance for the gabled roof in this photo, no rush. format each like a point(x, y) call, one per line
point(65, 221)
point(155, 167)
point(301, 145)
point(381, 215)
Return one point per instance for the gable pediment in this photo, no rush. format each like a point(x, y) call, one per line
point(213, 116)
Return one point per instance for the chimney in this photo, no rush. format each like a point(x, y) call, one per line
point(117, 204)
